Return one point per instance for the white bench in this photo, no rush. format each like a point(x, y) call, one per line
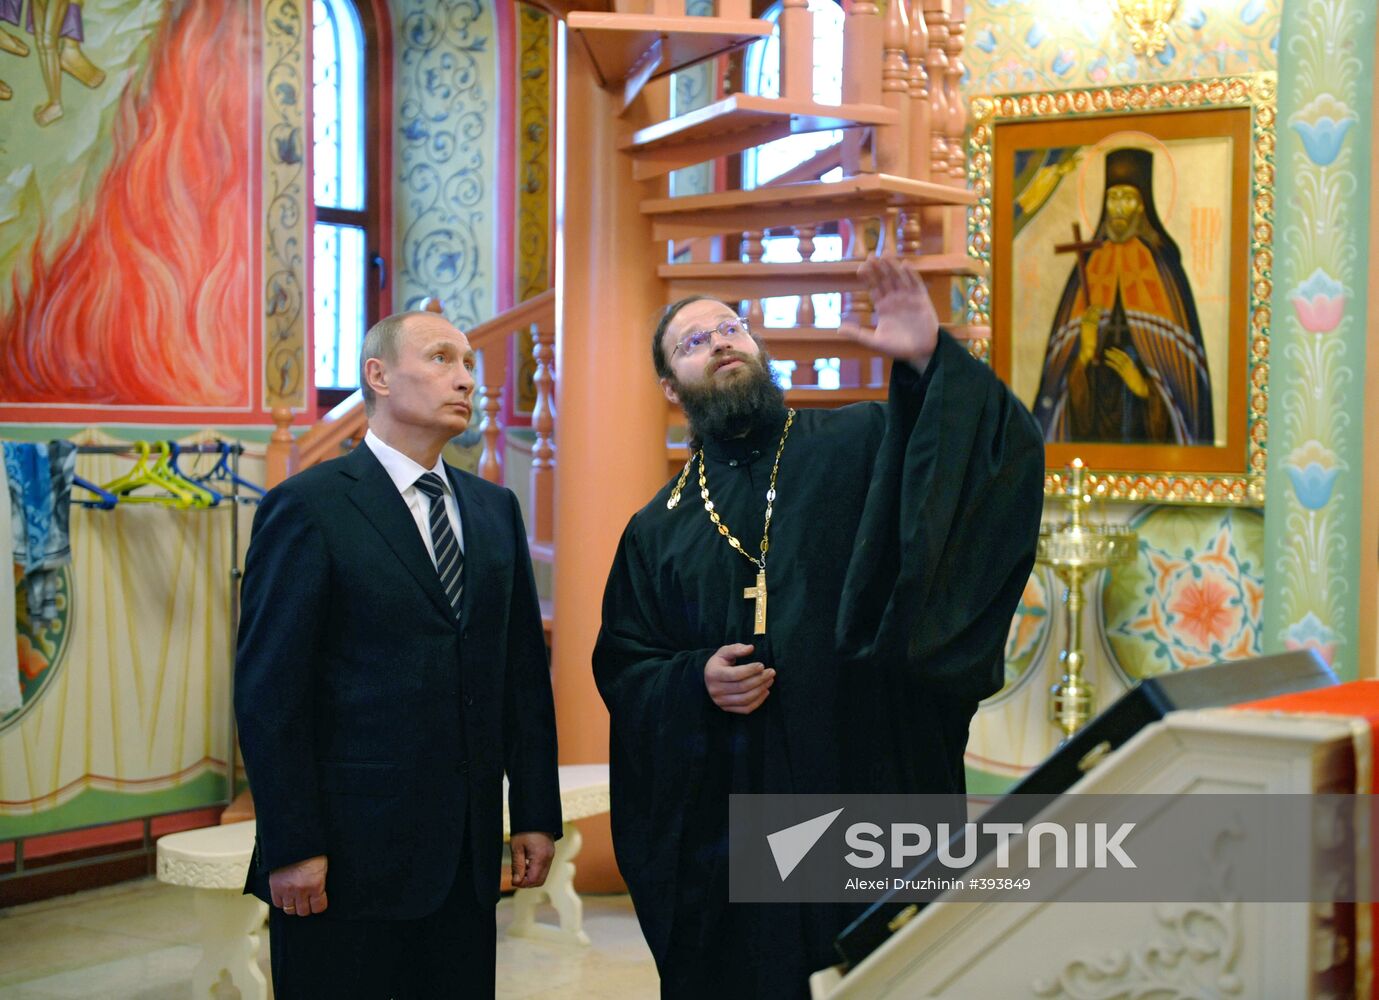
point(583, 793)
point(215, 859)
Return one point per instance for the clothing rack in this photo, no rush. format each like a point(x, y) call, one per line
point(206, 448)
point(234, 449)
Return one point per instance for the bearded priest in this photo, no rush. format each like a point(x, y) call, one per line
point(816, 604)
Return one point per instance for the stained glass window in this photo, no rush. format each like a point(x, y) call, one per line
point(339, 242)
point(775, 158)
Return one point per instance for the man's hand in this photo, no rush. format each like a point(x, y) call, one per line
point(531, 859)
point(733, 688)
point(1130, 374)
point(299, 890)
point(906, 323)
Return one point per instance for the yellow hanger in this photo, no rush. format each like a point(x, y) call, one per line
point(176, 483)
point(178, 495)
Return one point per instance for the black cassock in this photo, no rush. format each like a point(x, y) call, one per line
point(901, 540)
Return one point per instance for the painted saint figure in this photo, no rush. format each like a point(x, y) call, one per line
point(58, 33)
point(1125, 361)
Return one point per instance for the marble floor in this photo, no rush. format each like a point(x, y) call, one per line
point(136, 941)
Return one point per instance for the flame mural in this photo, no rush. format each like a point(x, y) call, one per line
point(147, 300)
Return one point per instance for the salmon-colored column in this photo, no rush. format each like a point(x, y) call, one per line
point(610, 433)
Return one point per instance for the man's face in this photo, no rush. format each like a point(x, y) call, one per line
point(1123, 211)
point(431, 384)
point(722, 360)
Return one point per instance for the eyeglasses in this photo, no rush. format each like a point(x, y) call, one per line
point(730, 329)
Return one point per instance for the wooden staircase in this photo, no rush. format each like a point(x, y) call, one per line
point(903, 193)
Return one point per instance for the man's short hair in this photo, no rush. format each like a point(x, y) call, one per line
point(658, 353)
point(381, 342)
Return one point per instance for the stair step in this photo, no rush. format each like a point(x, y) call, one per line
point(734, 281)
point(830, 335)
point(739, 122)
point(860, 196)
point(622, 45)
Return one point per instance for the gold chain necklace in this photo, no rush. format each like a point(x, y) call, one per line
point(758, 592)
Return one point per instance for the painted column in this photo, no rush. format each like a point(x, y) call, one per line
point(1313, 513)
point(612, 427)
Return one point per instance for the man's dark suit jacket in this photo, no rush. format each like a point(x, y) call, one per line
point(372, 722)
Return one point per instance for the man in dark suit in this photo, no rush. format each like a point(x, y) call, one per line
point(390, 669)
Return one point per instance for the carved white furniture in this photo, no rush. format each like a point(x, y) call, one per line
point(583, 793)
point(213, 861)
point(1064, 950)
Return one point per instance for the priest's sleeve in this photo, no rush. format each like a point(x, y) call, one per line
point(945, 546)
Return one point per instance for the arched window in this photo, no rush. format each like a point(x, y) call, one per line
point(763, 77)
point(775, 158)
point(348, 269)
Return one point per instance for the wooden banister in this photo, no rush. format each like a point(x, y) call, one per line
point(538, 309)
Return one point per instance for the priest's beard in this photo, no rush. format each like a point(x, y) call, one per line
point(730, 407)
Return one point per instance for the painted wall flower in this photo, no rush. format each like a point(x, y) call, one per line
point(1205, 612)
point(1319, 302)
point(1308, 632)
point(1313, 468)
point(1322, 125)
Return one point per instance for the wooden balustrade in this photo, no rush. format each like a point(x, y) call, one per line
point(753, 248)
point(796, 50)
point(916, 48)
point(957, 110)
point(493, 376)
point(804, 313)
point(893, 141)
point(542, 493)
point(862, 44)
point(936, 18)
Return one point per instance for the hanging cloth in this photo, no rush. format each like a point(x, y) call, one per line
point(40, 488)
point(10, 696)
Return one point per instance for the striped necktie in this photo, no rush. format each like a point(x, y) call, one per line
point(449, 558)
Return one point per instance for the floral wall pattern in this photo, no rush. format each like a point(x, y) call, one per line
point(1312, 544)
point(534, 30)
point(284, 197)
point(1018, 45)
point(1193, 596)
point(447, 128)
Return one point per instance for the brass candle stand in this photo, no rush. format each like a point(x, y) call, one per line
point(1076, 548)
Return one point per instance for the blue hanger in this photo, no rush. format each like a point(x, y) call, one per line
point(105, 500)
point(222, 472)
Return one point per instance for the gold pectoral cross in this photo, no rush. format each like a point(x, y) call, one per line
point(758, 594)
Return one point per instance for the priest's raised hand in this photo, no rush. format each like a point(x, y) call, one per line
point(906, 326)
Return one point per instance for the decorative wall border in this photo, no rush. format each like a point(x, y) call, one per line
point(284, 203)
point(1313, 524)
point(534, 69)
point(1258, 91)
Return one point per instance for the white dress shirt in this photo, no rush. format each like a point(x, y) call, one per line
point(404, 473)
